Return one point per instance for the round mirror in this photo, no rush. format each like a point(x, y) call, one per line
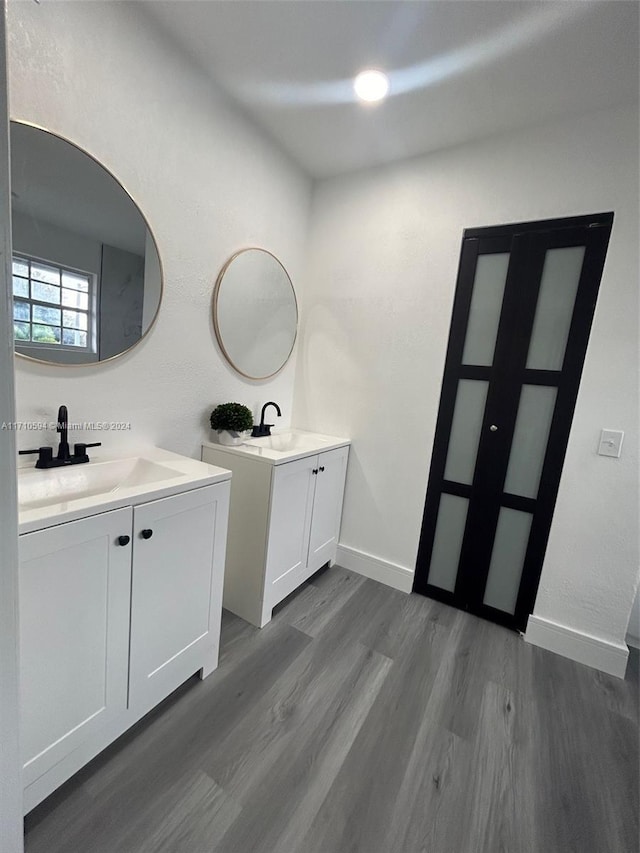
point(255, 313)
point(87, 278)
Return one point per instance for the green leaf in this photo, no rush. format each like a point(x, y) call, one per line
point(232, 416)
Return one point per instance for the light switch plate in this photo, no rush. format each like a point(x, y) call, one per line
point(610, 442)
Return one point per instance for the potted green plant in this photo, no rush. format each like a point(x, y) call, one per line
point(230, 421)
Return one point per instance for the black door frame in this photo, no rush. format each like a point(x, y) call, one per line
point(527, 243)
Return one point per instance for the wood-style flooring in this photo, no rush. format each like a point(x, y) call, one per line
point(364, 720)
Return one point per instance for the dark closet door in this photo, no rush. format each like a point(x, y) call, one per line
point(524, 304)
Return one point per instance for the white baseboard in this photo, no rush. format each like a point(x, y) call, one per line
point(372, 567)
point(633, 641)
point(600, 654)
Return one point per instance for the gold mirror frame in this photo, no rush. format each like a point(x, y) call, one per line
point(108, 171)
point(216, 326)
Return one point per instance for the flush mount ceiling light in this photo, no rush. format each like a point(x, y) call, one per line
point(371, 85)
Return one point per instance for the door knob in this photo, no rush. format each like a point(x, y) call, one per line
point(146, 534)
point(493, 428)
point(123, 540)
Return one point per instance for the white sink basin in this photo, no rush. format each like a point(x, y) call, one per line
point(40, 488)
point(283, 446)
point(288, 440)
point(57, 495)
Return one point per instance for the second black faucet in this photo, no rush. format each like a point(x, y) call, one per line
point(263, 429)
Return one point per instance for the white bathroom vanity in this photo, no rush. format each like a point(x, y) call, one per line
point(286, 507)
point(121, 571)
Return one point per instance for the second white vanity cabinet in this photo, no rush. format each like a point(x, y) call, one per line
point(284, 520)
point(117, 609)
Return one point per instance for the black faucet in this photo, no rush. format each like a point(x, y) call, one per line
point(62, 429)
point(265, 429)
point(46, 458)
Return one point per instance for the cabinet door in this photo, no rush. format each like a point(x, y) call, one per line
point(327, 508)
point(292, 491)
point(74, 630)
point(176, 599)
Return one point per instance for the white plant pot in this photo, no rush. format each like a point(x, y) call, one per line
point(230, 437)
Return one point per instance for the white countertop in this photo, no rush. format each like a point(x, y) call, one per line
point(282, 446)
point(108, 482)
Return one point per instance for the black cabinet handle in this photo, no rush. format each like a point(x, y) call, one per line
point(314, 470)
point(146, 534)
point(124, 540)
point(322, 467)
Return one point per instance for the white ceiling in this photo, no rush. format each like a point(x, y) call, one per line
point(459, 69)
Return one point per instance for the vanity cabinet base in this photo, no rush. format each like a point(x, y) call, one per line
point(284, 524)
point(111, 627)
point(89, 749)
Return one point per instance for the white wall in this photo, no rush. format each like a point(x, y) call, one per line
point(384, 254)
point(10, 765)
point(101, 75)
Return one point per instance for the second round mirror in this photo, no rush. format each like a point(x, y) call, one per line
point(255, 313)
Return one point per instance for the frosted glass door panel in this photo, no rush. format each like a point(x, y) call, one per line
point(530, 438)
point(558, 287)
point(484, 312)
point(507, 559)
point(465, 430)
point(447, 543)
